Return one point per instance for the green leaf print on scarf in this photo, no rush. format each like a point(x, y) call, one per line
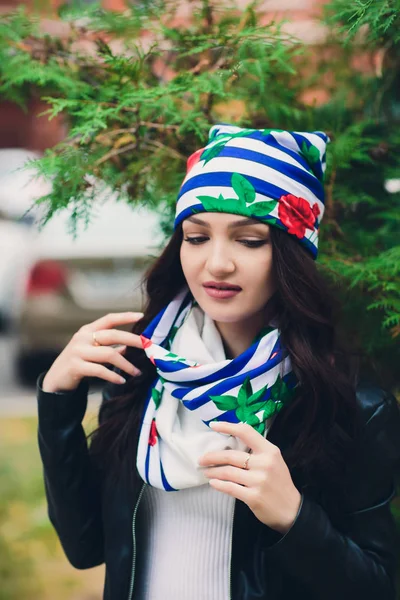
point(156, 395)
point(280, 391)
point(249, 405)
point(175, 357)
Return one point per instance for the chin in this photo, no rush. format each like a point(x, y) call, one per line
point(222, 314)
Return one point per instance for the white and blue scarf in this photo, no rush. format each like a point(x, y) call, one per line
point(204, 386)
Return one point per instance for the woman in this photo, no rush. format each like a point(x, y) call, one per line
point(238, 460)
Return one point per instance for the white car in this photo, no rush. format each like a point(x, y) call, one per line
point(13, 247)
point(70, 282)
point(18, 191)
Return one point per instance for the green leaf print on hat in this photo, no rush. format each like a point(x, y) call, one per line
point(212, 152)
point(243, 188)
point(262, 209)
point(220, 142)
point(220, 204)
point(312, 156)
point(245, 204)
point(268, 131)
point(311, 153)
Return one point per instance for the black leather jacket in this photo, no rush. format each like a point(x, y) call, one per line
point(327, 554)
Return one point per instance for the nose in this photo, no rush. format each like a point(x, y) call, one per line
point(219, 261)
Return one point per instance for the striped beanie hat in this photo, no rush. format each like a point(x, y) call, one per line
point(272, 175)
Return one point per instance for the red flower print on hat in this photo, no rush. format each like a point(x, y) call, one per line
point(193, 159)
point(153, 434)
point(297, 215)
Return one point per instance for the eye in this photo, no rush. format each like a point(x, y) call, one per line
point(195, 240)
point(253, 243)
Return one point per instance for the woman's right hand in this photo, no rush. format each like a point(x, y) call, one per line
point(83, 358)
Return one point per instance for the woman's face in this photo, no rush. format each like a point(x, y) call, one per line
point(222, 251)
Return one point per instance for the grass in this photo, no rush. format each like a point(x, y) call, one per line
point(32, 563)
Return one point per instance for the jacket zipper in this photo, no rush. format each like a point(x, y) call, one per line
point(134, 542)
point(230, 545)
point(134, 546)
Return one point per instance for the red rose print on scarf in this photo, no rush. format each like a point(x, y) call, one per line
point(297, 215)
point(153, 434)
point(146, 343)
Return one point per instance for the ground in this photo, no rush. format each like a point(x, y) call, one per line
point(31, 558)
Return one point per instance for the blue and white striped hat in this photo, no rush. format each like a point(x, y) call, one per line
point(268, 174)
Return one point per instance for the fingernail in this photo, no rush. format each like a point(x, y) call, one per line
point(122, 380)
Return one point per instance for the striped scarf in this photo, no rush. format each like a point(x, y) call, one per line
point(188, 394)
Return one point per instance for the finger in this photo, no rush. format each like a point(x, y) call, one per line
point(105, 354)
point(240, 492)
point(244, 432)
point(109, 337)
point(120, 349)
point(93, 370)
point(233, 474)
point(224, 457)
point(114, 319)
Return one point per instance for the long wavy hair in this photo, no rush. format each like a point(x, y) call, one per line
point(320, 423)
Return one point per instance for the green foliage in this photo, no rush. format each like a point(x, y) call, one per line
point(138, 106)
point(381, 18)
point(129, 128)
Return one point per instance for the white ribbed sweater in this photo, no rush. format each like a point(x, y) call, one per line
point(184, 544)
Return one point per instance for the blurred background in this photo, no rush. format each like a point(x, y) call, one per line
point(52, 282)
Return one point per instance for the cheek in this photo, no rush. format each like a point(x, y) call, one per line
point(189, 262)
point(261, 277)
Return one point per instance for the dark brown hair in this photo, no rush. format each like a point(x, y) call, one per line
point(320, 423)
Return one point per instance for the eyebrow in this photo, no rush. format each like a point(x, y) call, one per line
point(239, 223)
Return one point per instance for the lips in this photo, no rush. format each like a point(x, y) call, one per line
point(222, 285)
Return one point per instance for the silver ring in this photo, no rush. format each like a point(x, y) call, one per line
point(95, 342)
point(246, 463)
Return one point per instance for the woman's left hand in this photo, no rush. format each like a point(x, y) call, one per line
point(266, 486)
